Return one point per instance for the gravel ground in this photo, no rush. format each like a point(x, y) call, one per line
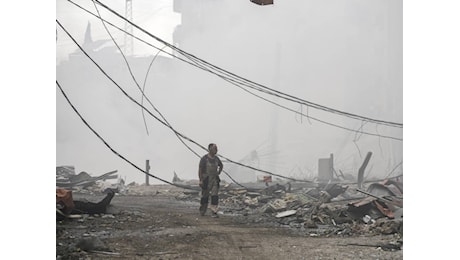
point(158, 223)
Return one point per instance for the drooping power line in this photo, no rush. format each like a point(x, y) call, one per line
point(255, 85)
point(238, 81)
point(164, 123)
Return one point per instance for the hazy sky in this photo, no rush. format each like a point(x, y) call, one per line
point(342, 54)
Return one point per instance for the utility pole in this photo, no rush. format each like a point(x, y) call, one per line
point(147, 169)
point(129, 28)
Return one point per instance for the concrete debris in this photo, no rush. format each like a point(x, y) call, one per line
point(67, 179)
point(299, 198)
point(388, 227)
point(321, 208)
point(384, 199)
point(65, 172)
point(238, 191)
point(251, 201)
point(178, 181)
point(253, 194)
point(286, 213)
point(316, 208)
point(274, 206)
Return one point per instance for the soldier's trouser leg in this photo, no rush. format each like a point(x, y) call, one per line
point(214, 192)
point(214, 203)
point(204, 197)
point(203, 205)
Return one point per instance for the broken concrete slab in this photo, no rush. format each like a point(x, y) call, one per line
point(286, 213)
point(274, 206)
point(83, 179)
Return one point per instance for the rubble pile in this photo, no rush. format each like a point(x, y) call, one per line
point(315, 209)
point(85, 183)
point(327, 209)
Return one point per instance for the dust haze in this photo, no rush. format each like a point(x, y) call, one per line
point(345, 55)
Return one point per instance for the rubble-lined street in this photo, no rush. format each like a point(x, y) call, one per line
point(230, 130)
point(274, 222)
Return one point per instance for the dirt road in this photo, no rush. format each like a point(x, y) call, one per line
point(157, 225)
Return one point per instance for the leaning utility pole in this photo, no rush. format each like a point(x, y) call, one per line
point(128, 28)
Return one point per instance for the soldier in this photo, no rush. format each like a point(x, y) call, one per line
point(208, 171)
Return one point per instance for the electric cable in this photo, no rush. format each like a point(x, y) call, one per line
point(308, 103)
point(113, 150)
point(143, 87)
point(261, 87)
point(142, 90)
point(234, 82)
point(165, 124)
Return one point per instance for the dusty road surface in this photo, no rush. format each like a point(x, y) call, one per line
point(159, 225)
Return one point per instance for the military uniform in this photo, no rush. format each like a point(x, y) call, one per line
point(210, 169)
